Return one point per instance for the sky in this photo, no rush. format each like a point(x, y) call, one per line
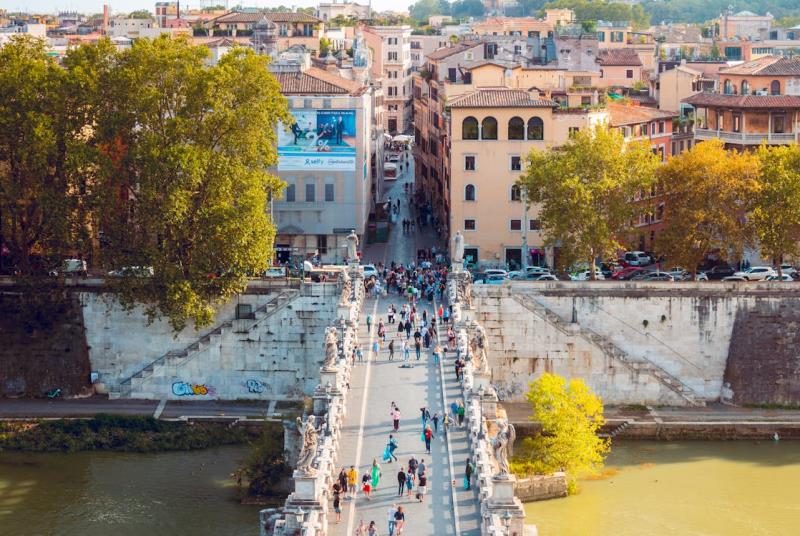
point(125, 6)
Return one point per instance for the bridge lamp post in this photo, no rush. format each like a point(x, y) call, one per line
point(506, 519)
point(328, 408)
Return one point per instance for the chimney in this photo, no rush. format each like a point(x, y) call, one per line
point(105, 18)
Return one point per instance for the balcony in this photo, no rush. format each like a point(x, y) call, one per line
point(745, 138)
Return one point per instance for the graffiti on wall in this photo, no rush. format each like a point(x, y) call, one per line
point(257, 386)
point(192, 389)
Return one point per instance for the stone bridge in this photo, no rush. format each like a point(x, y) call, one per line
point(351, 405)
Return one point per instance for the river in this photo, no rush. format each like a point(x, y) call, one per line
point(121, 494)
point(690, 488)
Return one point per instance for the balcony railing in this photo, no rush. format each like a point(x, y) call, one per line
point(745, 138)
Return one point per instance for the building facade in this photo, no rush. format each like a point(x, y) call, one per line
point(327, 11)
point(492, 130)
point(390, 48)
point(757, 102)
point(326, 159)
point(292, 28)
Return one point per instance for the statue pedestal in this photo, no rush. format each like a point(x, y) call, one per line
point(503, 503)
point(305, 487)
point(483, 381)
point(329, 376)
point(489, 404)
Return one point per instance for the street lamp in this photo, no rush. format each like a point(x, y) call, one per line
point(328, 408)
point(506, 518)
point(300, 515)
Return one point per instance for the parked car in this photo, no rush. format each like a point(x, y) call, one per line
point(718, 272)
point(370, 271)
point(274, 272)
point(681, 274)
point(626, 273)
point(735, 278)
point(516, 274)
point(652, 276)
point(636, 258)
point(70, 268)
point(783, 277)
point(586, 275)
point(494, 279)
point(541, 277)
point(756, 273)
point(788, 269)
point(537, 270)
point(496, 271)
point(133, 271)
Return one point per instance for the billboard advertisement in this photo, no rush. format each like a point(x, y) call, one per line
point(318, 140)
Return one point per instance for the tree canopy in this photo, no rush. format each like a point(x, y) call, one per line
point(105, 161)
point(594, 10)
point(585, 189)
point(709, 192)
point(570, 416)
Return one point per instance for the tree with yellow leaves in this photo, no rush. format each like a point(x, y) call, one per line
point(709, 192)
point(570, 416)
point(776, 216)
point(585, 189)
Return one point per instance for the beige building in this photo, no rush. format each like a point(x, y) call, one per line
point(743, 25)
point(292, 28)
point(492, 130)
point(524, 26)
point(423, 45)
point(619, 67)
point(677, 84)
point(327, 11)
point(390, 50)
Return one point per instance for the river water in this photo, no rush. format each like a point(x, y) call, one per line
point(120, 494)
point(687, 488)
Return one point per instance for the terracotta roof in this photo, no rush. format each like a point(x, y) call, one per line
point(622, 114)
point(287, 16)
point(768, 65)
point(314, 81)
point(446, 52)
point(744, 101)
point(500, 98)
point(618, 56)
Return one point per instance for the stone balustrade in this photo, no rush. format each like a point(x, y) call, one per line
point(501, 511)
point(306, 509)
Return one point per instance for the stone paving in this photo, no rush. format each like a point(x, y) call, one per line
point(445, 510)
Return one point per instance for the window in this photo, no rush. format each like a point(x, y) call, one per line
point(516, 129)
point(586, 101)
point(533, 34)
point(290, 193)
point(469, 163)
point(310, 191)
point(629, 73)
point(392, 40)
point(392, 56)
point(451, 74)
point(778, 124)
point(516, 193)
point(727, 87)
point(329, 192)
point(745, 88)
point(516, 163)
point(469, 225)
point(661, 127)
point(392, 91)
point(489, 128)
point(775, 87)
point(737, 122)
point(644, 129)
point(535, 128)
point(534, 225)
point(469, 129)
point(515, 225)
point(469, 192)
point(573, 131)
point(601, 36)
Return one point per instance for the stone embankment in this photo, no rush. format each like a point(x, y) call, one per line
point(306, 508)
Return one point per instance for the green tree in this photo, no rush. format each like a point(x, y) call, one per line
point(708, 193)
point(423, 9)
point(185, 181)
point(776, 215)
point(570, 416)
point(585, 189)
point(324, 46)
point(140, 14)
point(36, 172)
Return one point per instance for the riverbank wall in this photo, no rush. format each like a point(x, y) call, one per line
point(672, 344)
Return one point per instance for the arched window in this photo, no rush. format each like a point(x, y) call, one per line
point(535, 129)
point(745, 87)
point(469, 192)
point(469, 129)
point(727, 87)
point(489, 128)
point(516, 193)
point(775, 87)
point(516, 129)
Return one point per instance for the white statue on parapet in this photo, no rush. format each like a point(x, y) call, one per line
point(352, 247)
point(503, 446)
point(308, 450)
point(458, 251)
point(331, 347)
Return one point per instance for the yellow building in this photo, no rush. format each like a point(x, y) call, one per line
point(492, 131)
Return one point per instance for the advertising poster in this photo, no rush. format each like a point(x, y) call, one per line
point(319, 140)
